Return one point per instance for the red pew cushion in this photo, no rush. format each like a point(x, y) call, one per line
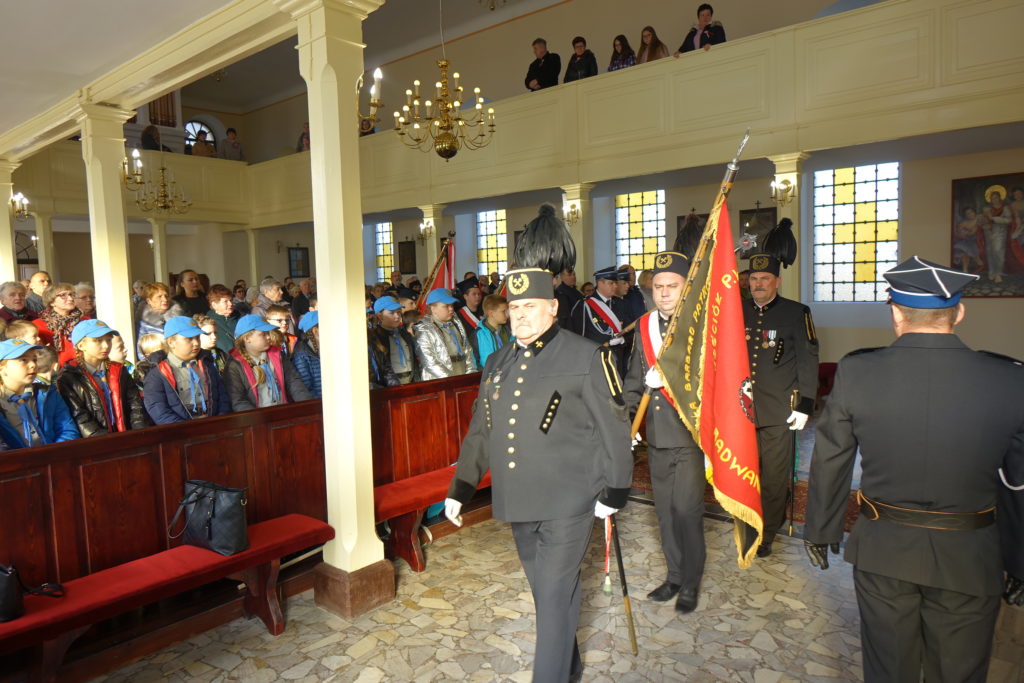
point(415, 493)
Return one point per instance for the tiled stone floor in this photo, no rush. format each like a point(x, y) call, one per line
point(469, 617)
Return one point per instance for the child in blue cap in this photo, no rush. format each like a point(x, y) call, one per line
point(101, 394)
point(306, 356)
point(31, 415)
point(262, 375)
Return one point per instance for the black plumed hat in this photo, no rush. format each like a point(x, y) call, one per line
point(688, 236)
point(781, 243)
point(546, 243)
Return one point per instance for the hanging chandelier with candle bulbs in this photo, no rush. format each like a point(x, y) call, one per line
point(164, 196)
point(448, 122)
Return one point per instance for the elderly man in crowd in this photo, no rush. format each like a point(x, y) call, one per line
point(85, 299)
point(271, 294)
point(37, 285)
point(14, 306)
point(300, 304)
point(442, 343)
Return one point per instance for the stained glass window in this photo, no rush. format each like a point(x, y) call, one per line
point(491, 242)
point(856, 230)
point(639, 228)
point(385, 251)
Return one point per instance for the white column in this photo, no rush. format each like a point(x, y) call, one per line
point(158, 227)
point(44, 243)
point(254, 260)
point(433, 213)
point(103, 151)
point(582, 230)
point(8, 257)
point(331, 61)
point(787, 170)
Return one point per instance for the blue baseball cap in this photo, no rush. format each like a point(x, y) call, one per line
point(15, 348)
point(309, 321)
point(386, 303)
point(90, 328)
point(440, 296)
point(183, 325)
point(248, 323)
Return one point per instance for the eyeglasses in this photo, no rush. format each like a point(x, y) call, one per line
point(64, 295)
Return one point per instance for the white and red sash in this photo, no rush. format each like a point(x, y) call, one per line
point(469, 318)
point(604, 313)
point(651, 341)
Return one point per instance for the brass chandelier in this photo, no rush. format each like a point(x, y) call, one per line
point(165, 196)
point(442, 124)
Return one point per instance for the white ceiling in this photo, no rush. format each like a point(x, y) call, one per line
point(51, 48)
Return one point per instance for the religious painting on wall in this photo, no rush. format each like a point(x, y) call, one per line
point(298, 261)
point(407, 257)
point(755, 224)
point(988, 233)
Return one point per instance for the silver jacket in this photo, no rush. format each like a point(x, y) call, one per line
point(435, 358)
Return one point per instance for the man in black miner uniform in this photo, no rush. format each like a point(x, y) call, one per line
point(676, 462)
point(940, 429)
point(568, 296)
point(550, 424)
point(783, 366)
point(545, 69)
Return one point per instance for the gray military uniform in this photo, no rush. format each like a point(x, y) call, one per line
point(551, 425)
point(677, 472)
point(783, 352)
point(935, 422)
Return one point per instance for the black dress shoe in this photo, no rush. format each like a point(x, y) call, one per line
point(664, 592)
point(687, 600)
point(764, 550)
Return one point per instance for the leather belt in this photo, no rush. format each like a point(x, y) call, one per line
point(925, 519)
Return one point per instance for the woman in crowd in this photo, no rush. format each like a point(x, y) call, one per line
point(704, 33)
point(650, 47)
point(646, 288)
point(582, 64)
point(622, 54)
point(281, 318)
point(57, 320)
point(306, 356)
point(242, 306)
point(587, 289)
point(262, 376)
point(189, 294)
point(30, 414)
point(208, 343)
point(101, 394)
point(85, 300)
point(225, 317)
point(158, 309)
point(14, 303)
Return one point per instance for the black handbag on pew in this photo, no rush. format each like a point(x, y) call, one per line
point(214, 517)
point(12, 590)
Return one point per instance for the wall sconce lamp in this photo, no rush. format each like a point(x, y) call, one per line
point(783, 191)
point(150, 241)
point(426, 230)
point(19, 207)
point(571, 212)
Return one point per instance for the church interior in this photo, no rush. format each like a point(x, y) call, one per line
point(874, 126)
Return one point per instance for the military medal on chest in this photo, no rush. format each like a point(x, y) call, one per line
point(772, 334)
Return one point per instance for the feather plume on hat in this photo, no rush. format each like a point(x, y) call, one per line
point(688, 236)
point(546, 243)
point(781, 243)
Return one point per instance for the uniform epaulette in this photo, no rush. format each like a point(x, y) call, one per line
point(611, 375)
point(865, 350)
point(1000, 356)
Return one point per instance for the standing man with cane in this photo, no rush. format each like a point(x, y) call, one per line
point(550, 423)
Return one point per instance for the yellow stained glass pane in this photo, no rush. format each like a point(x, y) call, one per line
point(864, 251)
point(380, 261)
point(650, 197)
point(844, 194)
point(865, 212)
point(844, 175)
point(865, 272)
point(387, 248)
point(636, 198)
point(887, 231)
point(648, 261)
point(865, 232)
point(650, 245)
point(636, 230)
point(492, 242)
point(844, 233)
point(621, 200)
point(636, 213)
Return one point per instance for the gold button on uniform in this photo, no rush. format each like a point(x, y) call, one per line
point(511, 435)
point(514, 406)
point(519, 380)
point(516, 393)
point(523, 366)
point(511, 450)
point(527, 354)
point(512, 465)
point(511, 420)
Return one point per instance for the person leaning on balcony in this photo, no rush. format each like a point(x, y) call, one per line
point(704, 33)
point(582, 63)
point(202, 148)
point(231, 148)
point(651, 47)
point(544, 70)
point(622, 54)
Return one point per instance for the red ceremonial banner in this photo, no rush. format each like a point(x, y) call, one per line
point(443, 274)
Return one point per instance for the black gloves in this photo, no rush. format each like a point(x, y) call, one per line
point(1014, 594)
point(818, 553)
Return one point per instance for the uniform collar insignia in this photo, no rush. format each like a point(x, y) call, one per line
point(544, 341)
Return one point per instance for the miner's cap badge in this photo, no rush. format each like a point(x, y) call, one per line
point(663, 260)
point(759, 262)
point(518, 283)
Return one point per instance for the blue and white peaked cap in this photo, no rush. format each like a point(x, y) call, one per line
point(917, 283)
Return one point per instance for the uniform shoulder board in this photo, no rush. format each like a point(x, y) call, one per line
point(611, 375)
point(865, 350)
point(1000, 356)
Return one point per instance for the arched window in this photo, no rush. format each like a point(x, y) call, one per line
point(192, 129)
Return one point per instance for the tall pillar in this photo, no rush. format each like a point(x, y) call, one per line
point(103, 151)
point(44, 243)
point(576, 198)
point(8, 257)
point(354, 577)
point(254, 261)
point(787, 170)
point(158, 227)
point(433, 213)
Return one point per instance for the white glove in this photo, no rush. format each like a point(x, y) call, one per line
point(615, 341)
point(636, 439)
point(452, 508)
point(797, 420)
point(653, 379)
point(602, 511)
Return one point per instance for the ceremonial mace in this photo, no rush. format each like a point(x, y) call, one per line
point(702, 249)
point(796, 461)
point(625, 588)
